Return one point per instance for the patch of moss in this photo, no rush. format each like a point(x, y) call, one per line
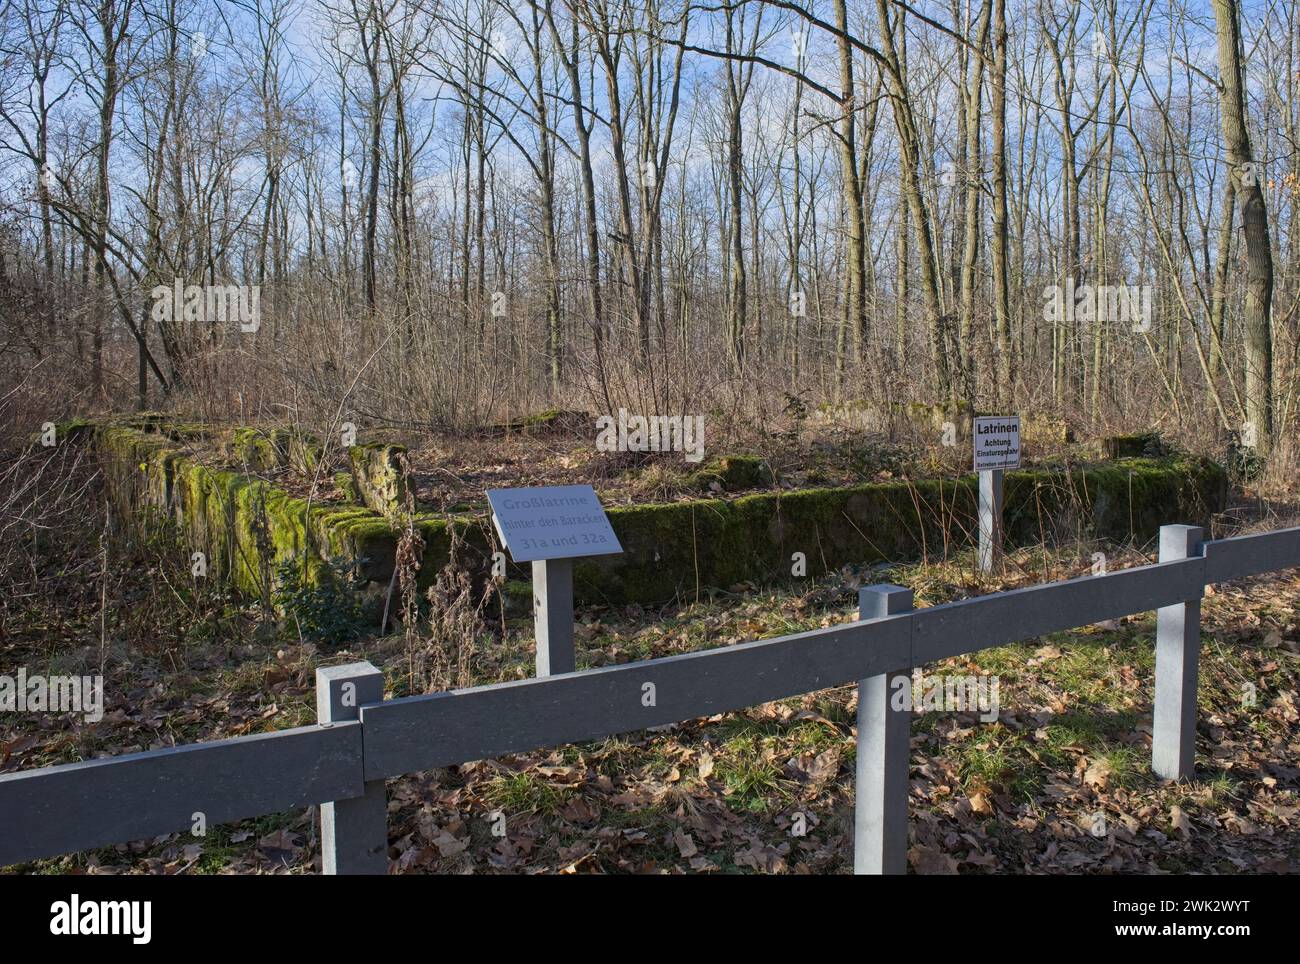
point(381, 484)
point(347, 485)
point(551, 420)
point(256, 449)
point(188, 431)
point(71, 430)
point(734, 473)
point(1136, 446)
point(147, 421)
point(305, 452)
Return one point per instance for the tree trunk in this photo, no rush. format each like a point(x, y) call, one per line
point(1247, 178)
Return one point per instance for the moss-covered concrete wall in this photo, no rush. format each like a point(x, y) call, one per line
point(674, 548)
point(248, 527)
point(379, 476)
point(245, 526)
point(262, 450)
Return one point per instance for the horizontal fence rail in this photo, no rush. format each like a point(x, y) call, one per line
point(423, 732)
point(80, 806)
point(361, 739)
point(1251, 555)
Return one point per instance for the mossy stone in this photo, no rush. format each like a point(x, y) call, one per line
point(381, 483)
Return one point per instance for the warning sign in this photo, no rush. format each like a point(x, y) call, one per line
point(997, 442)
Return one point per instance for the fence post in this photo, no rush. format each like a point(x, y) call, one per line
point(1178, 644)
point(354, 833)
point(553, 616)
point(880, 809)
point(990, 520)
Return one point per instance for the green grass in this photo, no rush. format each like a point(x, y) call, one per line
point(1091, 727)
point(218, 850)
point(749, 771)
point(525, 793)
point(996, 758)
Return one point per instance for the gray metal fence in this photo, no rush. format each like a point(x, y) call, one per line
point(361, 739)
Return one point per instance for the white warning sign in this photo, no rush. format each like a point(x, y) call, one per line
point(997, 442)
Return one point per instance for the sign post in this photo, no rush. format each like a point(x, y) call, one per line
point(549, 527)
point(997, 448)
point(553, 616)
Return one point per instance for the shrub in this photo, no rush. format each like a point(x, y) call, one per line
point(322, 604)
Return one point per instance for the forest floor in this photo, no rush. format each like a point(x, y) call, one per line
point(1059, 781)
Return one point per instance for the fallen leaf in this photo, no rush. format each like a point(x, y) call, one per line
point(448, 845)
point(685, 845)
point(280, 847)
point(928, 860)
point(578, 810)
point(1098, 773)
